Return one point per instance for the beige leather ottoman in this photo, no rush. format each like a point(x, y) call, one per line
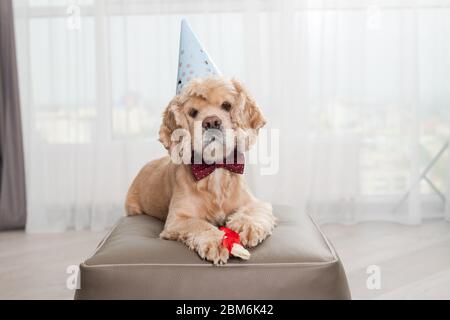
point(296, 262)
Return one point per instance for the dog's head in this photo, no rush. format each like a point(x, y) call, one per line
point(217, 113)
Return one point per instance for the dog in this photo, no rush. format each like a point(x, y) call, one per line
point(193, 210)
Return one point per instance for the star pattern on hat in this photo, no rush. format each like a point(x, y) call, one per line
point(193, 58)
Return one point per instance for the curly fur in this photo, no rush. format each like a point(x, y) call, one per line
point(193, 210)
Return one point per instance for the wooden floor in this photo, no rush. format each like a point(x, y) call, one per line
point(414, 261)
point(34, 266)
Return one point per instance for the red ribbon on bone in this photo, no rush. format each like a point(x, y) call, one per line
point(230, 238)
point(232, 241)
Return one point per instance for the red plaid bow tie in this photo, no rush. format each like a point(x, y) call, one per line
point(203, 170)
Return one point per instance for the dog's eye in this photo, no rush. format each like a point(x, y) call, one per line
point(193, 112)
point(226, 106)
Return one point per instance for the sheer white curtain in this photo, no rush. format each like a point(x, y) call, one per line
point(358, 93)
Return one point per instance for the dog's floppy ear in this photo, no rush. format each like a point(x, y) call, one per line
point(247, 114)
point(173, 119)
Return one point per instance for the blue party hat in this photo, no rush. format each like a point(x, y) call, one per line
point(194, 61)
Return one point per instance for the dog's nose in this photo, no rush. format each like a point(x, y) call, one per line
point(212, 122)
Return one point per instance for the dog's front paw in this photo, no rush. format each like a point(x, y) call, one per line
point(209, 247)
point(251, 234)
